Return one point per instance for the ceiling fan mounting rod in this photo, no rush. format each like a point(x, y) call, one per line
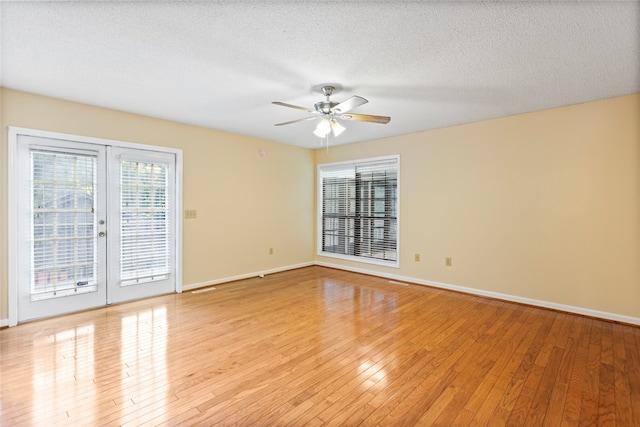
point(324, 107)
point(328, 91)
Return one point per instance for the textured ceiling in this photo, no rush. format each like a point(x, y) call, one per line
point(220, 64)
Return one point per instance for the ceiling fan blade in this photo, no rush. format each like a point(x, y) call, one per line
point(295, 121)
point(366, 118)
point(284, 104)
point(349, 104)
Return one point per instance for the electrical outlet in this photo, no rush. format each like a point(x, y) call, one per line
point(416, 257)
point(190, 214)
point(447, 261)
point(270, 251)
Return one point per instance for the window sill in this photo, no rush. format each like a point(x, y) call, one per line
point(364, 260)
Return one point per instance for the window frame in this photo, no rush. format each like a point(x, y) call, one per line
point(319, 208)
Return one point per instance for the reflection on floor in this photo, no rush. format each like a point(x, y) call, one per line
point(318, 346)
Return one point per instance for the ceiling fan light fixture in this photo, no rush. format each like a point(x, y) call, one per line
point(323, 128)
point(337, 128)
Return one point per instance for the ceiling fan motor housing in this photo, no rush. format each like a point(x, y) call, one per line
point(325, 107)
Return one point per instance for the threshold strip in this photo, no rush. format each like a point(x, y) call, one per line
point(199, 291)
point(398, 283)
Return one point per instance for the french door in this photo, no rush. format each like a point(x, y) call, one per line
point(96, 224)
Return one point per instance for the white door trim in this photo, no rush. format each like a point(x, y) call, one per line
point(12, 196)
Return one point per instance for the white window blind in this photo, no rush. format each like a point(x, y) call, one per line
point(144, 220)
point(359, 210)
point(63, 244)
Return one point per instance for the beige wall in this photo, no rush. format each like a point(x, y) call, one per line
point(542, 206)
point(246, 203)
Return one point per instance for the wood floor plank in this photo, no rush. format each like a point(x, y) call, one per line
point(550, 410)
point(606, 399)
point(632, 348)
point(623, 404)
point(318, 346)
point(577, 376)
point(591, 388)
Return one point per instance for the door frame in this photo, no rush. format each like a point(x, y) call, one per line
point(13, 186)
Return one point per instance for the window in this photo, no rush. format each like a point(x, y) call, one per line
point(358, 203)
point(144, 219)
point(63, 222)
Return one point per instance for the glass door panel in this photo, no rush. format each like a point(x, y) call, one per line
point(62, 257)
point(141, 239)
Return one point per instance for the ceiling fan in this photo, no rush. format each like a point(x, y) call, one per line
point(330, 112)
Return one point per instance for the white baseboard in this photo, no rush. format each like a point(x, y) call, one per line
point(505, 297)
point(193, 286)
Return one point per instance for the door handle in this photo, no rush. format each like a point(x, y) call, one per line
point(102, 234)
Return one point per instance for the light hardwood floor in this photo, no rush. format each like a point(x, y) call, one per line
point(318, 346)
